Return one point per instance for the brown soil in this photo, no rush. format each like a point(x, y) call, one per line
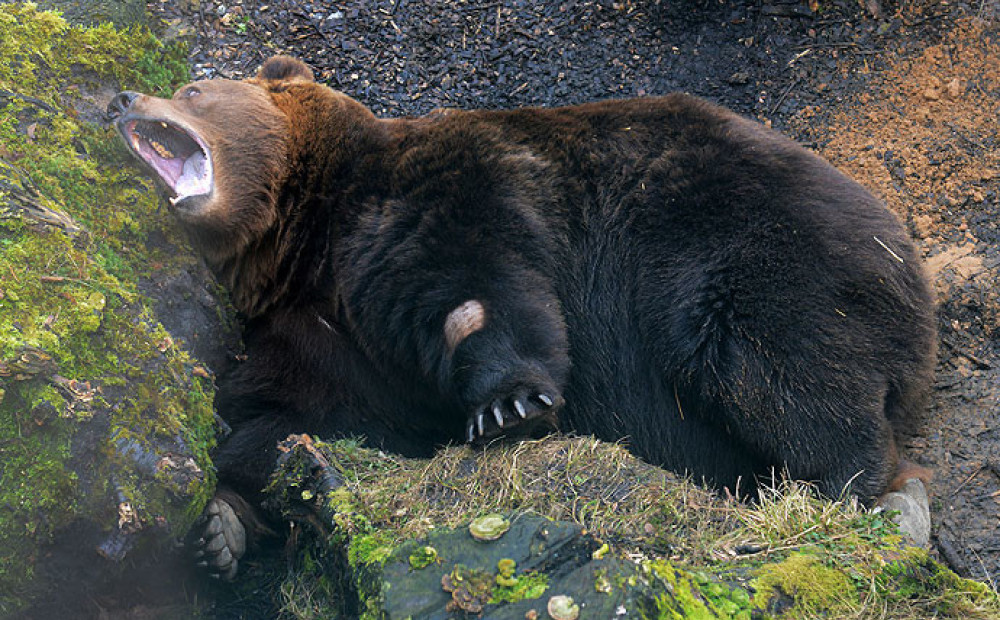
point(924, 137)
point(905, 99)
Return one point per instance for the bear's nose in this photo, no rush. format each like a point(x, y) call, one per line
point(121, 103)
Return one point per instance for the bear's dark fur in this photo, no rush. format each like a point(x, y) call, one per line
point(659, 270)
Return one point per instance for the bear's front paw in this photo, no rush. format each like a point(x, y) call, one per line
point(516, 407)
point(222, 540)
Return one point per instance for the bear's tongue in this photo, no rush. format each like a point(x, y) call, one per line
point(169, 169)
point(193, 178)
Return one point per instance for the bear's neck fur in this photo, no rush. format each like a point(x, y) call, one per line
point(289, 261)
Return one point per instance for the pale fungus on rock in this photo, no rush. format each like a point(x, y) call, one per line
point(489, 527)
point(563, 608)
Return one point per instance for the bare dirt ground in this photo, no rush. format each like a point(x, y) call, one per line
point(904, 97)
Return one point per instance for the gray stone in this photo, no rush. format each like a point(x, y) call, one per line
point(913, 508)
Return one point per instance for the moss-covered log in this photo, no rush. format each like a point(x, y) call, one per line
point(393, 538)
point(105, 418)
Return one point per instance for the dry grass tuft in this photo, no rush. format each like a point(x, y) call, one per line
point(597, 485)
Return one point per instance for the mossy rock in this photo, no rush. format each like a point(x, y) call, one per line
point(444, 566)
point(106, 419)
point(546, 559)
point(391, 539)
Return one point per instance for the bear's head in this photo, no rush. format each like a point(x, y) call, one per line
point(221, 149)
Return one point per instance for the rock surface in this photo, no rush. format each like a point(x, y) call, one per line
point(913, 511)
point(106, 419)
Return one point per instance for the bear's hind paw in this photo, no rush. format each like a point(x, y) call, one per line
point(222, 542)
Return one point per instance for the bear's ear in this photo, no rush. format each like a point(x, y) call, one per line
point(285, 68)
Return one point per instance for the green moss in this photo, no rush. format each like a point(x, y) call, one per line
point(813, 586)
point(370, 549)
point(682, 598)
point(911, 577)
point(161, 69)
point(36, 42)
point(71, 293)
point(82, 166)
point(423, 557)
point(725, 600)
point(527, 585)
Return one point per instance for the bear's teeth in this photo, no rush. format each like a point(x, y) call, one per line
point(163, 151)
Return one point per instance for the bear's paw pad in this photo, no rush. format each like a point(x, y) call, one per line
point(222, 540)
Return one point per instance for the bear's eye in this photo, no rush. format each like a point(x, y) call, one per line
point(190, 91)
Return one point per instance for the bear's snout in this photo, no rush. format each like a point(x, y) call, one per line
point(120, 104)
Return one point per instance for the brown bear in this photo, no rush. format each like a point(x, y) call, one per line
point(658, 270)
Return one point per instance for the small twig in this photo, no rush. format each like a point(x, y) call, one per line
point(678, 401)
point(57, 279)
point(982, 565)
point(799, 56)
point(7, 94)
point(968, 480)
point(888, 249)
point(783, 96)
point(980, 363)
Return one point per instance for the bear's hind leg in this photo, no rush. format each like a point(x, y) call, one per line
point(231, 524)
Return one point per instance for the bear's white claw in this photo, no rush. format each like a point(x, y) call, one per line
point(519, 408)
point(498, 413)
point(545, 399)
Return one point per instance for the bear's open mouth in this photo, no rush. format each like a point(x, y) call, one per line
point(180, 158)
